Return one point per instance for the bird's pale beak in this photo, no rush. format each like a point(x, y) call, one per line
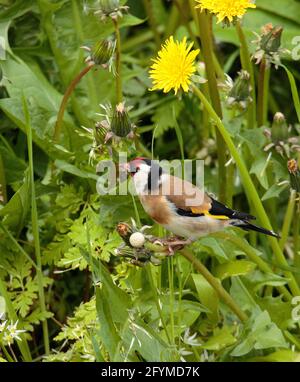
point(126, 167)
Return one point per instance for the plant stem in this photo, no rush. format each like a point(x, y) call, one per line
point(296, 235)
point(247, 65)
point(14, 241)
point(173, 21)
point(224, 295)
point(3, 194)
point(207, 48)
point(288, 219)
point(118, 62)
point(64, 102)
point(230, 184)
point(262, 100)
point(157, 302)
point(152, 22)
point(6, 353)
point(186, 21)
point(250, 189)
point(35, 227)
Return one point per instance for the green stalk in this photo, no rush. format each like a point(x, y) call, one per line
point(296, 235)
point(22, 345)
point(251, 254)
point(224, 295)
point(156, 298)
point(6, 353)
point(173, 21)
point(207, 48)
point(288, 219)
point(78, 23)
point(64, 102)
point(247, 65)
point(118, 62)
point(262, 100)
point(152, 22)
point(215, 283)
point(230, 184)
point(3, 194)
point(249, 187)
point(136, 41)
point(186, 21)
point(35, 226)
point(292, 339)
point(171, 298)
point(17, 245)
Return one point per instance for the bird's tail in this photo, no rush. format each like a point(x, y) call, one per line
point(245, 225)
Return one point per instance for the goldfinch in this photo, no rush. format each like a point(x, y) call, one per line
point(181, 207)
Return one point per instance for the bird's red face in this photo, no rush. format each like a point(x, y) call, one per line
point(135, 165)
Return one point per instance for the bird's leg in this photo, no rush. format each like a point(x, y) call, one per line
point(174, 243)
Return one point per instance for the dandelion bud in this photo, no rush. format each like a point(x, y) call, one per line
point(268, 45)
point(124, 230)
point(279, 128)
point(102, 52)
point(110, 8)
point(271, 38)
point(121, 125)
point(137, 240)
point(294, 174)
point(240, 91)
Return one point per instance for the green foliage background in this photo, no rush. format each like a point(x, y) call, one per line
point(97, 306)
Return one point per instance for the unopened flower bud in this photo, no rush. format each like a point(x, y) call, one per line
point(271, 38)
point(124, 230)
point(294, 174)
point(120, 125)
point(102, 52)
point(111, 8)
point(240, 92)
point(268, 45)
point(279, 128)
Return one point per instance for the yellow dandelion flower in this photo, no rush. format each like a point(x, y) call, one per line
point(174, 66)
point(226, 9)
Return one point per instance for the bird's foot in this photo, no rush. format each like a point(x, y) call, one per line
point(173, 244)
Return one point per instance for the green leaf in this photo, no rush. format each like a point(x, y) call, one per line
point(294, 89)
point(15, 212)
point(213, 246)
point(262, 334)
point(108, 331)
point(207, 296)
point(279, 310)
point(14, 166)
point(274, 191)
point(72, 169)
point(165, 117)
point(288, 9)
point(220, 339)
point(259, 168)
point(284, 355)
point(234, 268)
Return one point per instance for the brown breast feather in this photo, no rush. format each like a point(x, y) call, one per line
point(157, 207)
